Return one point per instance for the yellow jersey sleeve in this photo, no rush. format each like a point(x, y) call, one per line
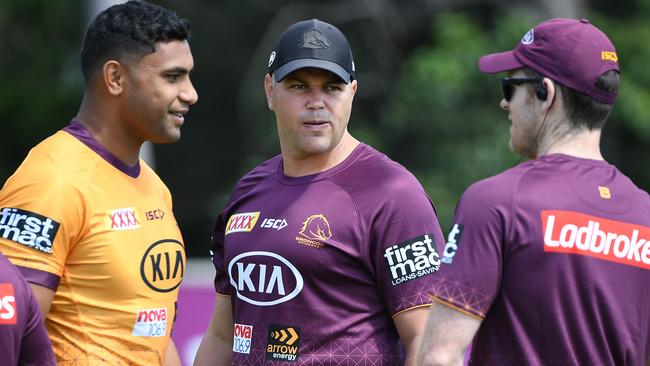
point(41, 217)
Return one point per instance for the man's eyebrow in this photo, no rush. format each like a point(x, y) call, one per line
point(176, 70)
point(335, 80)
point(293, 78)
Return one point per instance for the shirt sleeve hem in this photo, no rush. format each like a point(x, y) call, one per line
point(409, 309)
point(468, 313)
point(42, 278)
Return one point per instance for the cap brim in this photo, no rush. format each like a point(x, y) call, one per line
point(286, 69)
point(499, 62)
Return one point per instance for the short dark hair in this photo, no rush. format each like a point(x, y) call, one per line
point(127, 30)
point(581, 109)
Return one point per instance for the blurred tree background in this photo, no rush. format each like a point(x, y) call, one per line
point(421, 99)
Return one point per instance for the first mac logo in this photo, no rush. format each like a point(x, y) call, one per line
point(28, 228)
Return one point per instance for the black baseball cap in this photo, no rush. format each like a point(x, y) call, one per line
point(312, 43)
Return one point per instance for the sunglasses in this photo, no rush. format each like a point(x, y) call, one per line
point(508, 85)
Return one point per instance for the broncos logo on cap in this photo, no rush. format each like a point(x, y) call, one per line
point(314, 39)
point(316, 227)
point(529, 37)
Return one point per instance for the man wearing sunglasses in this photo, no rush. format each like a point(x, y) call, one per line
point(549, 261)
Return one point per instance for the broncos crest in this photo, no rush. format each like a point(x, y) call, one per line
point(316, 227)
point(314, 39)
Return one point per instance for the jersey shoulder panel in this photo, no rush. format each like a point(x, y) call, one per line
point(387, 178)
point(58, 160)
point(255, 176)
point(47, 193)
point(150, 177)
point(499, 188)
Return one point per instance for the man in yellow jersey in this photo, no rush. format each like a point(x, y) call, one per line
point(90, 225)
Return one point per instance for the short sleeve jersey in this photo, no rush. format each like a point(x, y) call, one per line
point(554, 256)
point(77, 220)
point(317, 266)
point(23, 338)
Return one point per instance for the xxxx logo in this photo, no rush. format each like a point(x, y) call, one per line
point(242, 222)
point(314, 229)
point(123, 219)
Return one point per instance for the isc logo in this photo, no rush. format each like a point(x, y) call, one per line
point(609, 56)
point(452, 244)
point(7, 304)
point(156, 214)
point(28, 228)
point(163, 265)
point(241, 222)
point(264, 278)
point(123, 219)
point(277, 224)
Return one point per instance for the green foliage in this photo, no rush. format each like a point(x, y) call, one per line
point(629, 124)
point(443, 120)
point(445, 113)
point(41, 81)
point(633, 105)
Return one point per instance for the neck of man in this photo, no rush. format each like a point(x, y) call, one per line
point(579, 142)
point(102, 121)
point(302, 165)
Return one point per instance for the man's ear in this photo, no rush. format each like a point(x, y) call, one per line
point(353, 85)
point(114, 77)
point(268, 90)
point(551, 92)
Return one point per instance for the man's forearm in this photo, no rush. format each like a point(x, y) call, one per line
point(213, 351)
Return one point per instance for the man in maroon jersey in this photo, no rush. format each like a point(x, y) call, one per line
point(324, 254)
point(23, 338)
point(549, 261)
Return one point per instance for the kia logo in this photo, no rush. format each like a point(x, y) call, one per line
point(163, 265)
point(264, 278)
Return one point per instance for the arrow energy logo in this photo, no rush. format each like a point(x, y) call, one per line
point(283, 343)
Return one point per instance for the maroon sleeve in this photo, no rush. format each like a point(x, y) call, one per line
point(36, 348)
point(404, 243)
point(23, 337)
point(221, 278)
point(472, 259)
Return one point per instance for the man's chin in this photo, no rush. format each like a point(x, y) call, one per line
point(169, 138)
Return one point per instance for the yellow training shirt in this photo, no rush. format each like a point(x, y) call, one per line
point(103, 236)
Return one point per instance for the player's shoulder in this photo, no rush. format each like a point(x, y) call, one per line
point(375, 169)
point(152, 176)
point(500, 187)
point(9, 274)
point(7, 270)
point(57, 161)
point(257, 175)
point(374, 177)
point(637, 193)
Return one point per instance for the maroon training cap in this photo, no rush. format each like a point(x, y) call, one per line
point(572, 52)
